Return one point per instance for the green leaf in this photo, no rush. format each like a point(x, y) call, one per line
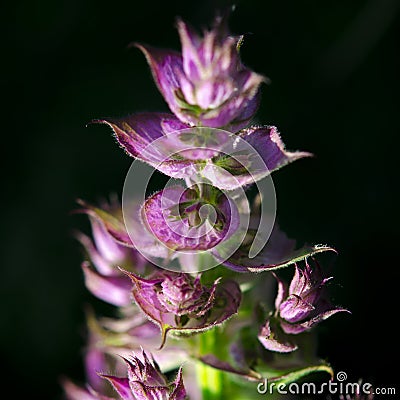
point(290, 376)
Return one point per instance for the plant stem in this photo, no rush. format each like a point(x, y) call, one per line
point(210, 380)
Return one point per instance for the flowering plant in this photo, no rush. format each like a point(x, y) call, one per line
point(189, 267)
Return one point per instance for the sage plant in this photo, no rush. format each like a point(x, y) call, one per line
point(189, 267)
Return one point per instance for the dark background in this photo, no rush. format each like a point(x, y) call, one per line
point(334, 71)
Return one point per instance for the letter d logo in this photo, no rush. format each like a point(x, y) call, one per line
point(262, 387)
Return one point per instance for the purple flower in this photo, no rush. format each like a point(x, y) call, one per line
point(104, 251)
point(179, 151)
point(75, 392)
point(206, 85)
point(184, 296)
point(104, 254)
point(113, 223)
point(113, 289)
point(181, 304)
point(207, 142)
point(259, 152)
point(298, 308)
point(198, 218)
point(268, 339)
point(305, 303)
point(109, 338)
point(145, 381)
point(110, 218)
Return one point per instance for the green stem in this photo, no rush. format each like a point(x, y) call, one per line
point(210, 380)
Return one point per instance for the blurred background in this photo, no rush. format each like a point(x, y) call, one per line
point(334, 91)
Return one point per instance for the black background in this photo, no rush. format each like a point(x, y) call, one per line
point(334, 72)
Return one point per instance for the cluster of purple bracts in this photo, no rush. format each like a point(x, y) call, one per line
point(206, 85)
